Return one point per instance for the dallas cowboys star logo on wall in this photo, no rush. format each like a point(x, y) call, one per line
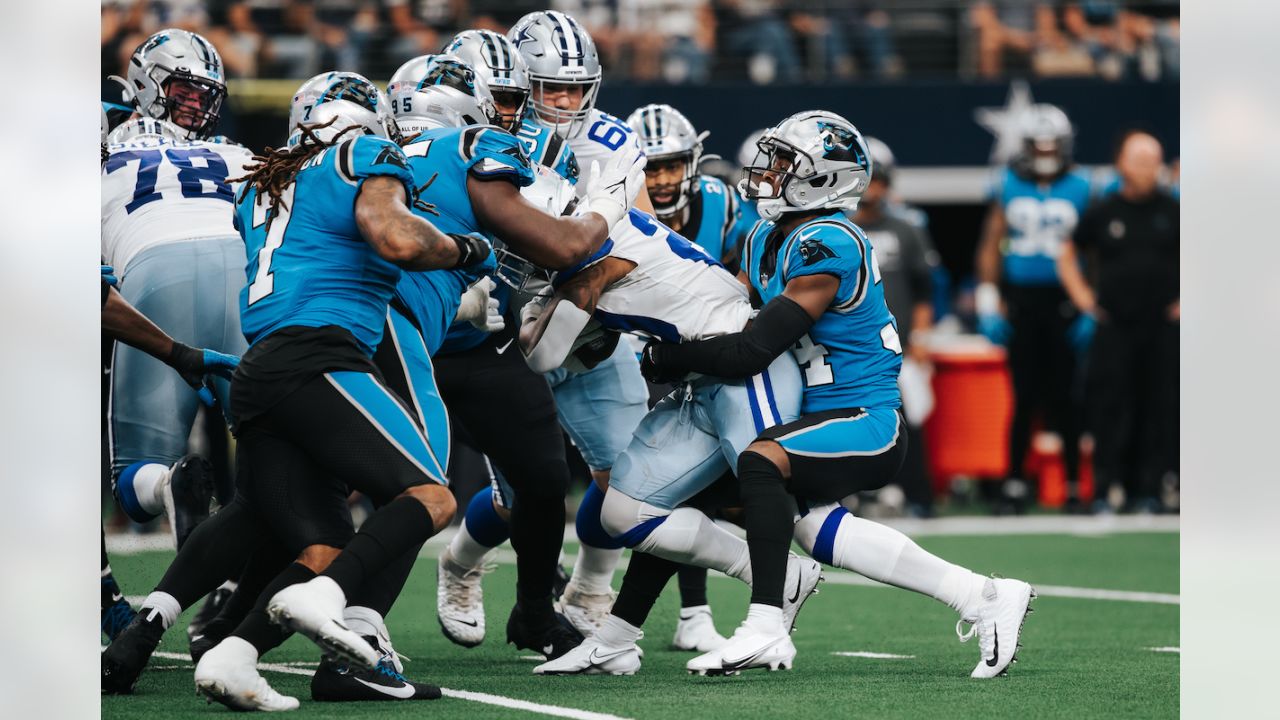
point(1005, 122)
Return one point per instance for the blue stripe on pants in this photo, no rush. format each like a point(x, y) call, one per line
point(377, 404)
point(426, 399)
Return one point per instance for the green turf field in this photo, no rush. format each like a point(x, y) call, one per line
point(1082, 658)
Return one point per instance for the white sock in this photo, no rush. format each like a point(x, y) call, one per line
point(690, 537)
point(616, 632)
point(465, 551)
point(593, 570)
point(149, 484)
point(884, 554)
point(229, 586)
point(164, 604)
point(106, 571)
point(363, 620)
point(765, 618)
point(686, 613)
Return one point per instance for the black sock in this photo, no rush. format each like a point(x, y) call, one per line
point(216, 550)
point(266, 563)
point(109, 587)
point(537, 532)
point(379, 593)
point(388, 534)
point(256, 628)
point(646, 576)
point(769, 526)
point(693, 586)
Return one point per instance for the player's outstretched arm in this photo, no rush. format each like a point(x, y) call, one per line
point(987, 263)
point(779, 326)
point(554, 243)
point(399, 236)
point(551, 329)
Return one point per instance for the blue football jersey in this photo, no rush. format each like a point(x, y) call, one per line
point(441, 160)
point(851, 356)
point(717, 218)
point(545, 147)
point(312, 267)
point(1039, 218)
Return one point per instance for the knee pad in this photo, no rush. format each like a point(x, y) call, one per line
point(627, 520)
point(128, 497)
point(816, 531)
point(483, 521)
point(588, 525)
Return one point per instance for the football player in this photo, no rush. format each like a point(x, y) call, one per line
point(1035, 204)
point(815, 275)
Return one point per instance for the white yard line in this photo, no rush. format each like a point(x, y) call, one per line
point(485, 698)
point(1174, 650)
point(873, 655)
point(841, 577)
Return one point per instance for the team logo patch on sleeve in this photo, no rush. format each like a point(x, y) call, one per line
point(812, 250)
point(391, 155)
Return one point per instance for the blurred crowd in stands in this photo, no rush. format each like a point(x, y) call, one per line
point(689, 41)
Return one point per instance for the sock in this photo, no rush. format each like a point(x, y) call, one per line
point(616, 632)
point(646, 576)
point(256, 629)
point(217, 549)
point(164, 604)
point(688, 536)
point(765, 618)
point(888, 556)
point(537, 533)
point(363, 620)
point(465, 551)
point(140, 489)
point(770, 524)
point(380, 593)
point(106, 565)
point(693, 586)
point(388, 533)
point(593, 570)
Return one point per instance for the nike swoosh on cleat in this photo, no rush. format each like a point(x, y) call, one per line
point(471, 623)
point(799, 582)
point(504, 346)
point(404, 692)
point(548, 650)
point(995, 657)
point(596, 657)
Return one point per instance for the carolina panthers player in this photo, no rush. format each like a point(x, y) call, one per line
point(1035, 204)
point(701, 207)
point(816, 276)
point(543, 240)
point(599, 408)
point(167, 231)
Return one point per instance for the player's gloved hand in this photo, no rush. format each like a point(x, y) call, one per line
point(198, 366)
point(109, 274)
point(533, 309)
point(612, 185)
point(480, 308)
point(652, 368)
point(1080, 332)
point(995, 328)
point(472, 249)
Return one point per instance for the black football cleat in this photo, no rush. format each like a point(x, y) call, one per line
point(552, 637)
point(213, 604)
point(125, 658)
point(117, 613)
point(560, 583)
point(335, 681)
point(191, 488)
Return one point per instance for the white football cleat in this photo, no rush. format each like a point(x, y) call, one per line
point(594, 658)
point(314, 608)
point(696, 631)
point(585, 611)
point(460, 601)
point(748, 648)
point(998, 625)
point(803, 576)
point(228, 673)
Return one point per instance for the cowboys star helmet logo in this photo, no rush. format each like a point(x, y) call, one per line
point(839, 144)
point(812, 250)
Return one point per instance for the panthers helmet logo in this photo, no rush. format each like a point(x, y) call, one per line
point(839, 144)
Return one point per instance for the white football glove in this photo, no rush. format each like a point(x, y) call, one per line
point(479, 308)
point(612, 186)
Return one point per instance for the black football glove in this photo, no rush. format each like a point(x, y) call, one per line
point(652, 368)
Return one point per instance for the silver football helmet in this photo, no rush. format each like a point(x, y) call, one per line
point(666, 134)
point(813, 160)
point(882, 160)
point(332, 103)
point(177, 76)
point(558, 51)
point(495, 59)
point(434, 91)
point(552, 194)
point(1046, 142)
point(141, 127)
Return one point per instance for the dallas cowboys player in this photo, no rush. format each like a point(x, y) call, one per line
point(166, 229)
point(701, 207)
point(1035, 204)
point(816, 275)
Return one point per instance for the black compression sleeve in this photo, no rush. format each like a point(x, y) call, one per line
point(778, 326)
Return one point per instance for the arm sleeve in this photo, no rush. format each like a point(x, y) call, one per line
point(493, 153)
point(778, 327)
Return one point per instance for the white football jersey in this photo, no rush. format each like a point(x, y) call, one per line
point(676, 292)
point(599, 137)
point(157, 191)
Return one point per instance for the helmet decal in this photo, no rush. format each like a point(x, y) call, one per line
point(838, 144)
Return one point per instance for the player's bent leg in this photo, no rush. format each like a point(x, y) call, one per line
point(459, 594)
point(588, 595)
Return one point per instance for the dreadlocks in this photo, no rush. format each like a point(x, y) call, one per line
point(275, 168)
